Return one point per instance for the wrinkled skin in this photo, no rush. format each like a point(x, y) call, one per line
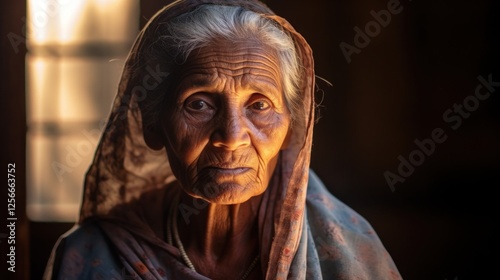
point(223, 135)
point(229, 123)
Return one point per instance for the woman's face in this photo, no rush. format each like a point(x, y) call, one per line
point(228, 122)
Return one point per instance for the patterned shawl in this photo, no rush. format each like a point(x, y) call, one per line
point(304, 232)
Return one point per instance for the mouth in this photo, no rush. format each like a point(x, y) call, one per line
point(228, 170)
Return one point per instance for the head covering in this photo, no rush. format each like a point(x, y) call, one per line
point(126, 184)
point(124, 167)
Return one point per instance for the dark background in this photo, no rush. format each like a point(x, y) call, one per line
point(439, 222)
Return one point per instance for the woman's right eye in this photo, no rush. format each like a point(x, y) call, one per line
point(198, 105)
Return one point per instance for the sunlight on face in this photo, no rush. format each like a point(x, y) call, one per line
point(228, 122)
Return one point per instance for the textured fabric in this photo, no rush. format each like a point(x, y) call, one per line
point(336, 243)
point(304, 232)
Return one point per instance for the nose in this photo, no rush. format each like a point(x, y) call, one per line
point(231, 132)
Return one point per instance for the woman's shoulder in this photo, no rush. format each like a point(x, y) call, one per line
point(83, 252)
point(320, 201)
point(86, 237)
point(343, 240)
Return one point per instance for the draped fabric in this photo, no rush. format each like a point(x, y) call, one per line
point(304, 232)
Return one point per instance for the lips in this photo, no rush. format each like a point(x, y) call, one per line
point(227, 170)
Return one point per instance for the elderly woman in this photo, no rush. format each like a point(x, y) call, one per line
point(203, 169)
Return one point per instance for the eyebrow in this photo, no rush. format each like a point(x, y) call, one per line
point(204, 84)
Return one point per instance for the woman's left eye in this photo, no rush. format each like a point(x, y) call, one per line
point(260, 105)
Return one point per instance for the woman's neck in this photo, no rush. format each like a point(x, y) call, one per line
point(215, 231)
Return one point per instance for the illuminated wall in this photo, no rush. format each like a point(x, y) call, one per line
point(76, 51)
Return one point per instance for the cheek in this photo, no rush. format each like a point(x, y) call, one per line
point(271, 137)
point(268, 142)
point(184, 143)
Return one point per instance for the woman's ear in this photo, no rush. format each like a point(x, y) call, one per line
point(151, 130)
point(152, 137)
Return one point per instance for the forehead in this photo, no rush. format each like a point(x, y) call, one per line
point(250, 62)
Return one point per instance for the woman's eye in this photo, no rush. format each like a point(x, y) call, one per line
point(260, 105)
point(198, 105)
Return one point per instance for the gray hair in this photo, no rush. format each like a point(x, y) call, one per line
point(200, 27)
